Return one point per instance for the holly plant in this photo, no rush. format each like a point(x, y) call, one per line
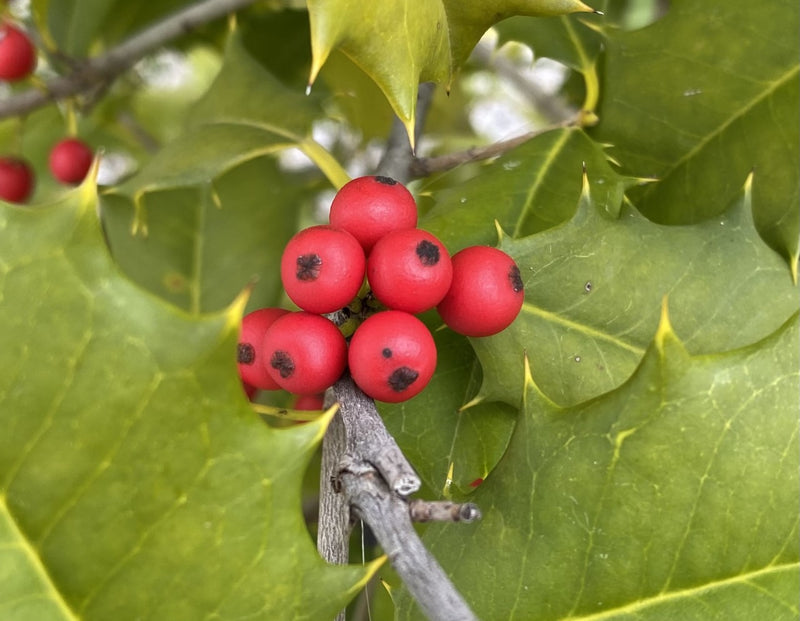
point(394, 310)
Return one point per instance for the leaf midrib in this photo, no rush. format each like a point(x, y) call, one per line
point(36, 562)
point(661, 598)
point(738, 114)
point(540, 176)
point(583, 328)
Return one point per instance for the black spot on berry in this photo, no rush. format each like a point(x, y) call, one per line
point(402, 378)
point(245, 353)
point(386, 353)
point(283, 363)
point(385, 180)
point(428, 253)
point(308, 266)
point(516, 279)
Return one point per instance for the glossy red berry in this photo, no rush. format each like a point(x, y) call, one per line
point(409, 270)
point(392, 356)
point(309, 402)
point(70, 160)
point(322, 269)
point(17, 54)
point(249, 391)
point(305, 353)
point(486, 294)
point(250, 351)
point(16, 180)
point(371, 207)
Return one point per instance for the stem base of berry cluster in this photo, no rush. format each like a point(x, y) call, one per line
point(366, 476)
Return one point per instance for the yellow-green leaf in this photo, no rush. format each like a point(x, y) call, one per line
point(135, 479)
point(401, 43)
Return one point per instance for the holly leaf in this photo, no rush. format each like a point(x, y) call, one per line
point(212, 210)
point(74, 27)
point(246, 113)
point(593, 288)
point(135, 480)
point(201, 250)
point(530, 188)
point(716, 88)
point(672, 497)
point(400, 44)
point(583, 325)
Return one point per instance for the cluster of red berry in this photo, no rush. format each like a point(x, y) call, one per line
point(391, 354)
point(70, 158)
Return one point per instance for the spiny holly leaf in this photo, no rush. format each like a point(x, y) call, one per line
point(531, 188)
point(400, 44)
point(593, 288)
point(673, 497)
point(469, 21)
point(246, 113)
point(702, 97)
point(200, 251)
point(135, 480)
point(212, 210)
point(593, 292)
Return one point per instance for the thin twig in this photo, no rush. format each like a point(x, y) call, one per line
point(106, 67)
point(388, 516)
point(442, 511)
point(368, 445)
point(425, 166)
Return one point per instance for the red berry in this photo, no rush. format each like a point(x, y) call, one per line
point(17, 54)
point(249, 391)
point(250, 352)
point(309, 402)
point(16, 180)
point(70, 160)
point(371, 207)
point(305, 353)
point(392, 356)
point(409, 270)
point(322, 269)
point(486, 294)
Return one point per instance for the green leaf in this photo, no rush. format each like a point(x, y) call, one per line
point(469, 21)
point(247, 112)
point(673, 497)
point(135, 480)
point(400, 44)
point(212, 210)
point(161, 110)
point(528, 189)
point(78, 27)
point(206, 243)
point(593, 289)
point(699, 99)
